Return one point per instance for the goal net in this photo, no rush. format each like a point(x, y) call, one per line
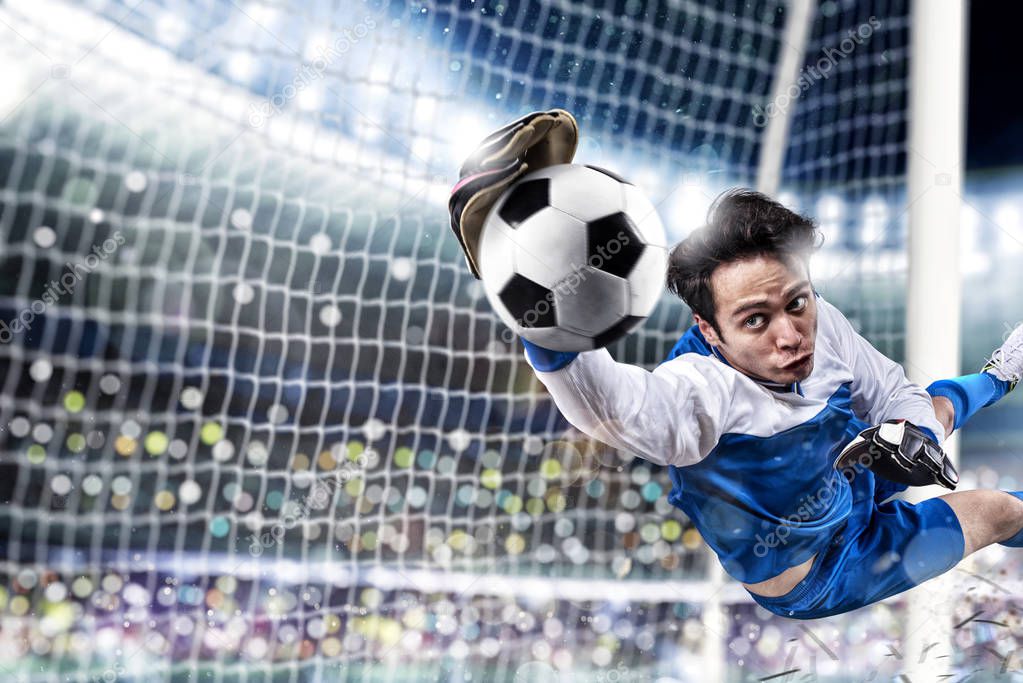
point(259, 423)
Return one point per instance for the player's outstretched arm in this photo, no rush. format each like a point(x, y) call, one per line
point(671, 416)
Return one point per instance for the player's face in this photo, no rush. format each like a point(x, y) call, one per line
point(768, 318)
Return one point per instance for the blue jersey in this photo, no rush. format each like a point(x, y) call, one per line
point(751, 462)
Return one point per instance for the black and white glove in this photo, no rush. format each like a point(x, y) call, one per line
point(535, 141)
point(901, 452)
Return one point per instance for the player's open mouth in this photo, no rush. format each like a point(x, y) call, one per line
point(799, 362)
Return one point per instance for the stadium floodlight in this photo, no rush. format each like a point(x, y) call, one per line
point(465, 134)
point(171, 29)
point(422, 148)
point(425, 109)
point(262, 15)
point(789, 200)
point(316, 46)
point(241, 66)
point(310, 98)
point(689, 204)
point(650, 181)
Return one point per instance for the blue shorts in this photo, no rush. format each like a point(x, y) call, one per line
point(883, 549)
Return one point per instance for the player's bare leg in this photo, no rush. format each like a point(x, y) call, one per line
point(986, 516)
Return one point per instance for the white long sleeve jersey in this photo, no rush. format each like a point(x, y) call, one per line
point(751, 464)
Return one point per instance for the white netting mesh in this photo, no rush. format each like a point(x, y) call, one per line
point(271, 429)
point(846, 161)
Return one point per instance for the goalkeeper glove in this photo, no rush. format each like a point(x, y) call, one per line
point(535, 141)
point(901, 452)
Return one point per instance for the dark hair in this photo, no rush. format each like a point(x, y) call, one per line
point(741, 224)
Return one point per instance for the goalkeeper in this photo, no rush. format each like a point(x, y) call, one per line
point(784, 431)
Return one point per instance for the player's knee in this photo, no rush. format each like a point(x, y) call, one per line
point(1010, 517)
point(999, 516)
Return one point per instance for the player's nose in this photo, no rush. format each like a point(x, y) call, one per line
point(788, 336)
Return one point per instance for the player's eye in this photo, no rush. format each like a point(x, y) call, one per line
point(798, 304)
point(754, 321)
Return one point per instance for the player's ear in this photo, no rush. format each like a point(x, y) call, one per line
point(707, 330)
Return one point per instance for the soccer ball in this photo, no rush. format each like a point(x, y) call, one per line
point(572, 257)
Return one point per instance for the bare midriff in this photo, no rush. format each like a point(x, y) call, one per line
point(778, 586)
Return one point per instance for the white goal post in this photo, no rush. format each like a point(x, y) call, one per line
point(933, 294)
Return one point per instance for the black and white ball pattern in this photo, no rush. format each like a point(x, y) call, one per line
point(573, 257)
